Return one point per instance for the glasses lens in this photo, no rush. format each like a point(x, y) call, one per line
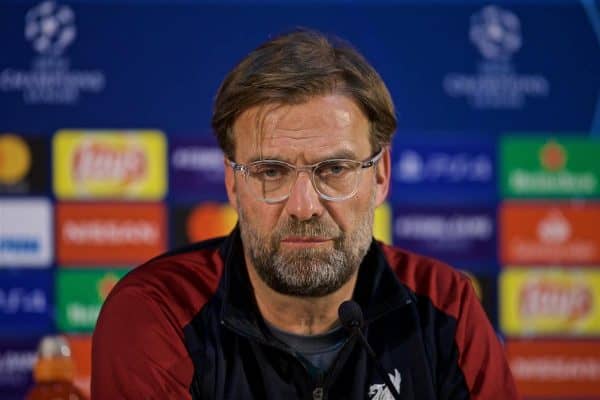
point(337, 178)
point(270, 181)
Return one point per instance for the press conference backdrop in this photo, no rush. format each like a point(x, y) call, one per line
point(107, 157)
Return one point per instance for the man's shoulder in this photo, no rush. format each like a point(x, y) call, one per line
point(443, 285)
point(181, 280)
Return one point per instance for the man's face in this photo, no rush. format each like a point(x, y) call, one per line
point(305, 245)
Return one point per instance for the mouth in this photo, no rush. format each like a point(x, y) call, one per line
point(303, 241)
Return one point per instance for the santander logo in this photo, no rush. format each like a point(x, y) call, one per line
point(554, 228)
point(111, 163)
point(555, 300)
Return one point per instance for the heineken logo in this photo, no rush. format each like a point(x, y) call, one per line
point(553, 156)
point(541, 167)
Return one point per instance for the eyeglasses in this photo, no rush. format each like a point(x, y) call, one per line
point(335, 180)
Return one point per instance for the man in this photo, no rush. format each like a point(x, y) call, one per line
point(305, 124)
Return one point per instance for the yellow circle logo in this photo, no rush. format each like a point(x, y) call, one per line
point(15, 159)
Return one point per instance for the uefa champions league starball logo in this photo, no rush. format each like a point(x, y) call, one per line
point(496, 33)
point(50, 27)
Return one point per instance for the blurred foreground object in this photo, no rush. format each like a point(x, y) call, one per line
point(54, 371)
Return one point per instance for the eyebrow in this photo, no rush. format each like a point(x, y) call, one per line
point(339, 154)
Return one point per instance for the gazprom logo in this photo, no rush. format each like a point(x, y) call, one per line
point(415, 167)
point(444, 227)
point(196, 158)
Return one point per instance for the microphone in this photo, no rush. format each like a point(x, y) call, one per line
point(352, 319)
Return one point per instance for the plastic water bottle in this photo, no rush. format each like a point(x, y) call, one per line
point(54, 371)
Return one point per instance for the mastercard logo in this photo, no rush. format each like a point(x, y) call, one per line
point(15, 159)
point(210, 220)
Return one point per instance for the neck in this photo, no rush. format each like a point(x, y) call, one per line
point(299, 315)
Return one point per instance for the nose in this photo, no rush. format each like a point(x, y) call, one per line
point(304, 202)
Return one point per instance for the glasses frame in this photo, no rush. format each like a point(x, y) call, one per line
point(368, 163)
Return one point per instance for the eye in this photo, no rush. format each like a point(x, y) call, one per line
point(269, 171)
point(334, 169)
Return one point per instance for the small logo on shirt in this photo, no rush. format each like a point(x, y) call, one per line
point(380, 391)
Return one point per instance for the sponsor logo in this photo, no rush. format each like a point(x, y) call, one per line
point(203, 221)
point(25, 233)
point(545, 234)
point(450, 234)
point(496, 34)
point(121, 234)
point(15, 159)
point(562, 169)
point(80, 294)
point(210, 220)
point(103, 162)
point(554, 228)
point(412, 167)
point(26, 302)
point(553, 156)
point(550, 301)
point(197, 170)
point(20, 245)
point(50, 28)
point(17, 300)
point(110, 164)
point(438, 227)
point(555, 368)
point(196, 158)
point(380, 391)
point(111, 232)
point(14, 362)
point(16, 366)
point(23, 164)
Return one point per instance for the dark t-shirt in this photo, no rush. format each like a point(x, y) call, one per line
point(317, 352)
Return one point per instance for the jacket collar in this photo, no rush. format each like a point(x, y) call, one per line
point(378, 290)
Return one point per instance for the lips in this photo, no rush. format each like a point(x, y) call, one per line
point(304, 241)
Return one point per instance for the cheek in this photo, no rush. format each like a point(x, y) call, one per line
point(349, 214)
point(263, 217)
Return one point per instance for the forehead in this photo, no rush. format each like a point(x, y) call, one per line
point(316, 129)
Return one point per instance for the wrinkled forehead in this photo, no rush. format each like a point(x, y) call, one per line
point(311, 129)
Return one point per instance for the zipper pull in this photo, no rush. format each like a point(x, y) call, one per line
point(318, 393)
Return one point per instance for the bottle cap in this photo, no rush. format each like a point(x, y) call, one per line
point(54, 360)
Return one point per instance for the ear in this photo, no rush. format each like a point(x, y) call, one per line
point(230, 184)
point(383, 172)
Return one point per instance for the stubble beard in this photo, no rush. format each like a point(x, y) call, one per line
point(307, 272)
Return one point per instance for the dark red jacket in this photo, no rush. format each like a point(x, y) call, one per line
point(185, 325)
